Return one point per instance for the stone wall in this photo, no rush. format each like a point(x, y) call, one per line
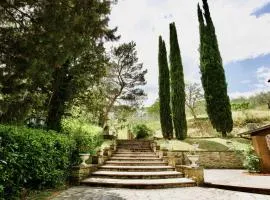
point(208, 159)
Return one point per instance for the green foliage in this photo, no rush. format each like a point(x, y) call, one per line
point(177, 87)
point(37, 159)
point(164, 92)
point(32, 158)
point(63, 40)
point(213, 77)
point(87, 137)
point(154, 108)
point(262, 98)
point(240, 106)
point(125, 79)
point(141, 131)
point(193, 96)
point(251, 160)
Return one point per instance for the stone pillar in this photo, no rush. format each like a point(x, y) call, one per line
point(163, 153)
point(81, 172)
point(195, 174)
point(111, 150)
point(157, 150)
point(106, 154)
point(153, 146)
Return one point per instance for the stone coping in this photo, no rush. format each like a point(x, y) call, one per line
point(84, 167)
point(238, 180)
point(202, 151)
point(189, 167)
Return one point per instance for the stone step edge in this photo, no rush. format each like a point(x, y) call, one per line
point(135, 162)
point(238, 188)
point(135, 156)
point(139, 158)
point(139, 185)
point(136, 167)
point(115, 173)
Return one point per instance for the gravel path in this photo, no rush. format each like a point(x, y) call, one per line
point(193, 193)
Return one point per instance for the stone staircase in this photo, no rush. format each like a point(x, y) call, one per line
point(135, 165)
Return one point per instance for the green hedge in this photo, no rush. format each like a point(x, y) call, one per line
point(88, 137)
point(141, 131)
point(32, 158)
point(37, 159)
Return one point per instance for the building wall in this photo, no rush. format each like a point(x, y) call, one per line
point(260, 145)
point(209, 159)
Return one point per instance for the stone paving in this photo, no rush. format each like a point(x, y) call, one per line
point(194, 193)
point(236, 178)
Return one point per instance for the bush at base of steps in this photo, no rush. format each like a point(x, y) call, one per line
point(35, 159)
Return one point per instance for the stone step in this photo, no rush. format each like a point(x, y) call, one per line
point(137, 175)
point(136, 163)
point(139, 183)
point(134, 145)
point(135, 155)
point(131, 146)
point(135, 150)
point(135, 159)
point(132, 141)
point(136, 168)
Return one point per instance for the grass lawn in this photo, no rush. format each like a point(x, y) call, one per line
point(206, 144)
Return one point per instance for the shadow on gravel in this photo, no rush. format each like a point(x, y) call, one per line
point(88, 193)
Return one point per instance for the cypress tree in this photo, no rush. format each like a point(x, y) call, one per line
point(164, 92)
point(177, 87)
point(212, 75)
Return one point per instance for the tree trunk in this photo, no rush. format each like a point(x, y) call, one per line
point(224, 134)
point(104, 115)
point(60, 95)
point(193, 114)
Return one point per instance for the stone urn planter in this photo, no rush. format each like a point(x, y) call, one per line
point(84, 157)
point(193, 156)
point(193, 159)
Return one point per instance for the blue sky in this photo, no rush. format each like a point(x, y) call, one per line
point(262, 10)
point(248, 76)
point(242, 28)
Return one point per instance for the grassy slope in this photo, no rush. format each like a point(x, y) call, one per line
point(205, 144)
point(203, 128)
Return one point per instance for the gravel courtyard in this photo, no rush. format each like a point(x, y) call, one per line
point(192, 193)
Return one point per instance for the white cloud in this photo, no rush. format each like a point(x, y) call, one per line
point(240, 34)
point(262, 85)
point(263, 75)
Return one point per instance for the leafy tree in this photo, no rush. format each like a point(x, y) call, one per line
point(177, 87)
point(213, 76)
point(154, 108)
point(124, 80)
point(262, 98)
point(193, 96)
point(164, 92)
point(63, 40)
point(22, 86)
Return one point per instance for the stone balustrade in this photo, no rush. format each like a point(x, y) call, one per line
point(81, 172)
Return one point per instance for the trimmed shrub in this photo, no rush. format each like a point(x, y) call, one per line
point(251, 161)
point(142, 131)
point(39, 159)
point(33, 158)
point(87, 137)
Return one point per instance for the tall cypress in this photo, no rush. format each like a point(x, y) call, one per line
point(212, 75)
point(164, 92)
point(177, 87)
